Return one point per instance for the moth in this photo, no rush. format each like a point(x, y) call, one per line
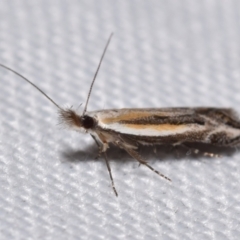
point(129, 128)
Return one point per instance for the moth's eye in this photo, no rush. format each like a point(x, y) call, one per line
point(87, 122)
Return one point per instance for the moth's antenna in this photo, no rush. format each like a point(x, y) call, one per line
point(94, 78)
point(31, 84)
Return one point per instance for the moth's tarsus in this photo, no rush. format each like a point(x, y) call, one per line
point(110, 173)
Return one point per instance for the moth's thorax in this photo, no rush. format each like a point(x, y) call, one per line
point(76, 120)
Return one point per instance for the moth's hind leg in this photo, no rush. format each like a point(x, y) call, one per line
point(139, 158)
point(197, 151)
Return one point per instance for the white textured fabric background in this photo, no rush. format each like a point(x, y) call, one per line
point(164, 53)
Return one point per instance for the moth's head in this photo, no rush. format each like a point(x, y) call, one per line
point(76, 121)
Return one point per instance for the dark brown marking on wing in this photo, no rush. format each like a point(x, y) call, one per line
point(225, 116)
point(156, 120)
point(170, 139)
point(234, 142)
point(222, 139)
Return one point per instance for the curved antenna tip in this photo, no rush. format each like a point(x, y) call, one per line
point(96, 73)
point(35, 86)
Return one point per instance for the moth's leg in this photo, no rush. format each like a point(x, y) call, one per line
point(102, 149)
point(175, 147)
point(197, 151)
point(139, 158)
point(110, 173)
point(190, 150)
point(209, 154)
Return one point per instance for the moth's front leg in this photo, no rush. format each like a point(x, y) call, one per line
point(102, 147)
